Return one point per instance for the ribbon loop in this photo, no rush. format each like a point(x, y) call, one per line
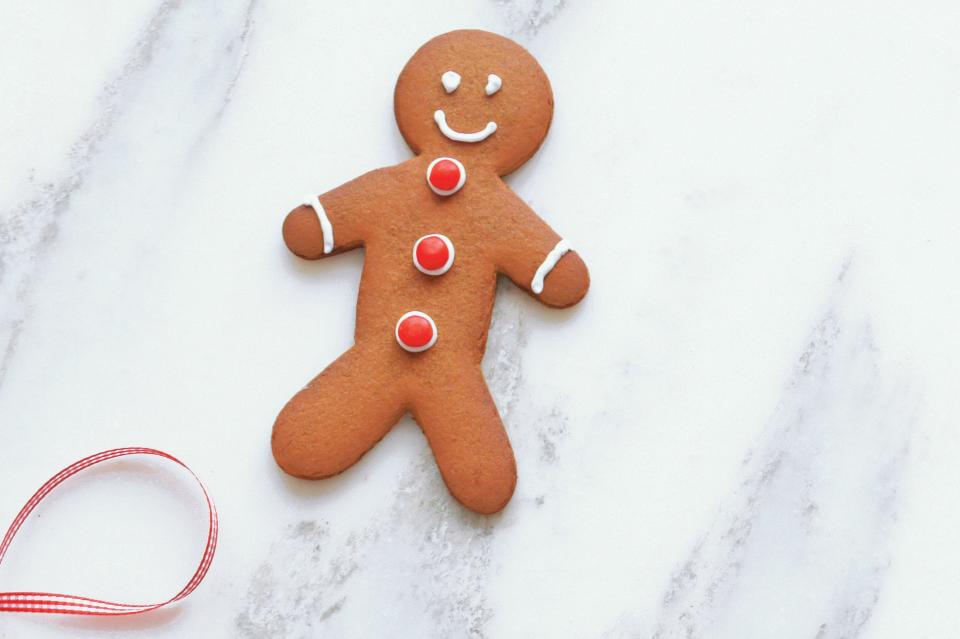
point(72, 604)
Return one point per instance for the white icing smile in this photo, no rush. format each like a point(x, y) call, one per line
point(477, 136)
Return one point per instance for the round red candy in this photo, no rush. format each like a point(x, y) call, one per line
point(433, 254)
point(445, 176)
point(416, 332)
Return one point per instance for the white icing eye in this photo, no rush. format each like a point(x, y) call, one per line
point(451, 80)
point(493, 84)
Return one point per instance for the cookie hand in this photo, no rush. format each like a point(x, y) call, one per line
point(535, 257)
point(341, 219)
point(303, 233)
point(567, 282)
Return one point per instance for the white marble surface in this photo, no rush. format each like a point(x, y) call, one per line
point(748, 429)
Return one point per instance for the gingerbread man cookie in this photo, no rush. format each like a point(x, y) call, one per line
point(436, 229)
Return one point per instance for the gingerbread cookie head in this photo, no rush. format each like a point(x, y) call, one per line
point(477, 96)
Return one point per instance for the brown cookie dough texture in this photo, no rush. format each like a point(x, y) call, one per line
point(452, 188)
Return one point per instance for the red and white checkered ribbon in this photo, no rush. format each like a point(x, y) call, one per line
point(72, 604)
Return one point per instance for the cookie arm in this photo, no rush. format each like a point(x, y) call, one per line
point(539, 261)
point(330, 223)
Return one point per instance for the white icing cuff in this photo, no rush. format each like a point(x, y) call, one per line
point(549, 262)
point(325, 225)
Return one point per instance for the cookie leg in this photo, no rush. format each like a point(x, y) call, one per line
point(337, 418)
point(468, 440)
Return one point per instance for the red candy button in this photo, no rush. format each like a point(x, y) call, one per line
point(433, 254)
point(446, 176)
point(416, 332)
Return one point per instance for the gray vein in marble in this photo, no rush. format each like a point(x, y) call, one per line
point(241, 44)
point(503, 362)
point(28, 229)
point(310, 578)
point(819, 490)
point(238, 47)
point(527, 17)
